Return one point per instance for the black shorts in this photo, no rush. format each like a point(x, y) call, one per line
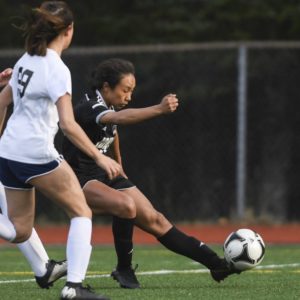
point(118, 183)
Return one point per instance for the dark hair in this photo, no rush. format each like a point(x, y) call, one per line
point(45, 24)
point(110, 71)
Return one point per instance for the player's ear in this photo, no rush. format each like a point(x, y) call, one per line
point(69, 29)
point(105, 86)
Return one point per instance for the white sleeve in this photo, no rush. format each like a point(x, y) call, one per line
point(59, 83)
point(13, 80)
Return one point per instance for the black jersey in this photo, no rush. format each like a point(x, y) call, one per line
point(88, 113)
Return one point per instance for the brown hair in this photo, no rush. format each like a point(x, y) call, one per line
point(45, 24)
point(110, 71)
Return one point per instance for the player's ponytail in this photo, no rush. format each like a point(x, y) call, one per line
point(44, 25)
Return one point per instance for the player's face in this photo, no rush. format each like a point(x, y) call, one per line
point(120, 95)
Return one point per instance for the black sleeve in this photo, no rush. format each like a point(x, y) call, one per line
point(89, 112)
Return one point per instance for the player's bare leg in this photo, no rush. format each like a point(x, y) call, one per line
point(168, 235)
point(105, 200)
point(46, 271)
point(62, 186)
point(148, 218)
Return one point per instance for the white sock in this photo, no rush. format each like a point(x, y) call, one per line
point(33, 248)
point(35, 254)
point(3, 204)
point(79, 248)
point(7, 229)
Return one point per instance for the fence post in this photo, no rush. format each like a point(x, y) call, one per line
point(241, 168)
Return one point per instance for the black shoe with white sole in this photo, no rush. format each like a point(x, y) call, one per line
point(79, 292)
point(55, 270)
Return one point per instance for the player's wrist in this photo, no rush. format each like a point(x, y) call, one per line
point(159, 108)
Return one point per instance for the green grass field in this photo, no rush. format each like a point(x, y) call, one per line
point(278, 277)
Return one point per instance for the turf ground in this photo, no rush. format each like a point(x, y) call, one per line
point(163, 275)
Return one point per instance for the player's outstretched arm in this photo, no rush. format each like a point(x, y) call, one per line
point(167, 105)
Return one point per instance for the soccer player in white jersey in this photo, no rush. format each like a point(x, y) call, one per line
point(40, 88)
point(111, 86)
point(46, 270)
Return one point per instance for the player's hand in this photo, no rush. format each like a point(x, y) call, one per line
point(169, 103)
point(111, 167)
point(5, 76)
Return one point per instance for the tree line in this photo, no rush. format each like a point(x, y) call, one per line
point(118, 22)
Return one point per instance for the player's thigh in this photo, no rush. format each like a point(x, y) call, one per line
point(62, 186)
point(103, 199)
point(21, 209)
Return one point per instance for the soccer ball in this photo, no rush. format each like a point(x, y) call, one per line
point(244, 249)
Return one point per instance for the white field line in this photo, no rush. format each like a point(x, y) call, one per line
point(148, 273)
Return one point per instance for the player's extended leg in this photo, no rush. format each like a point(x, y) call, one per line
point(168, 235)
point(46, 271)
point(20, 209)
point(105, 200)
point(62, 186)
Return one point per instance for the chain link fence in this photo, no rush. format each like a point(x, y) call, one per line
point(185, 163)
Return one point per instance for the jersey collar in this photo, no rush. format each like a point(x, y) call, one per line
point(100, 99)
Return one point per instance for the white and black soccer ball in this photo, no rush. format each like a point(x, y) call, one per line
point(244, 249)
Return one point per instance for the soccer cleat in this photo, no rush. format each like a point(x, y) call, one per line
point(126, 278)
point(80, 293)
point(223, 271)
point(55, 270)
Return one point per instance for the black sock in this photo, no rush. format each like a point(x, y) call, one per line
point(73, 284)
point(188, 246)
point(123, 231)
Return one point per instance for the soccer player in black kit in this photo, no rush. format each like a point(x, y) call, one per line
point(111, 87)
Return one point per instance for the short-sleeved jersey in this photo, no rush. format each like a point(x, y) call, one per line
point(37, 83)
point(88, 114)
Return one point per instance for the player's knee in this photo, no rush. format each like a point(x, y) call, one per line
point(127, 207)
point(23, 234)
point(158, 225)
point(155, 219)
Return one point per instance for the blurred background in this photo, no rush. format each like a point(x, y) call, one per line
point(232, 150)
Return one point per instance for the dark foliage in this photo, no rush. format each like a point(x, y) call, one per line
point(119, 22)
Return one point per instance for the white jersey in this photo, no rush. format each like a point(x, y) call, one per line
point(37, 83)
